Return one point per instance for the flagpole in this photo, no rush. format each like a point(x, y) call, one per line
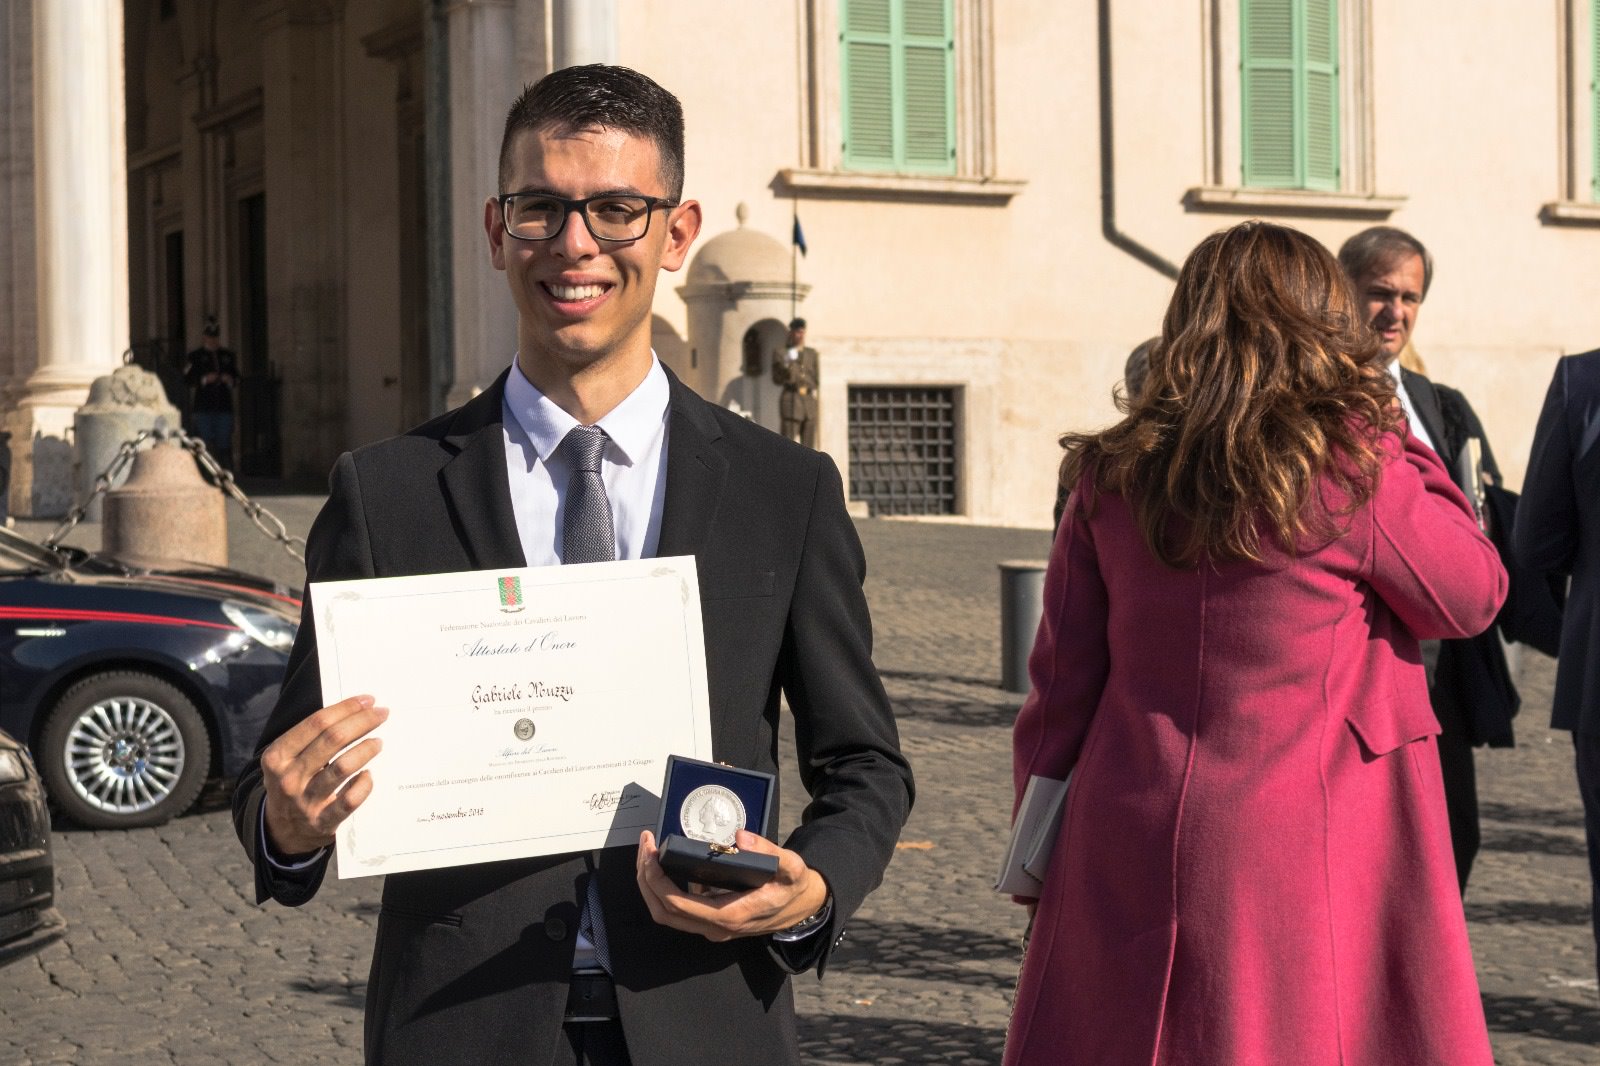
point(794, 256)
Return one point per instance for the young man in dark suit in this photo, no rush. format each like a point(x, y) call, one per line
point(1391, 272)
point(598, 957)
point(1558, 532)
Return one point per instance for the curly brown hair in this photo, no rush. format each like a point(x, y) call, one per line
point(1265, 385)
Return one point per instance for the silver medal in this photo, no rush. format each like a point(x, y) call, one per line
point(711, 814)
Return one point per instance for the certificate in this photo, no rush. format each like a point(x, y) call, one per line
point(531, 712)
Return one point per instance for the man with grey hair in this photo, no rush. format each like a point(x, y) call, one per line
point(1391, 272)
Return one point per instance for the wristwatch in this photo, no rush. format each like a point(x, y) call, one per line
point(806, 925)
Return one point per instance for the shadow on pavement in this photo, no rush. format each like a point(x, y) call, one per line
point(1529, 912)
point(940, 679)
point(909, 951)
point(955, 712)
point(1563, 817)
point(352, 995)
point(838, 1038)
point(1552, 1019)
point(1524, 841)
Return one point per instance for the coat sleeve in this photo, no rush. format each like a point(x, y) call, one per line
point(846, 742)
point(336, 548)
point(1428, 559)
point(1070, 660)
point(1546, 534)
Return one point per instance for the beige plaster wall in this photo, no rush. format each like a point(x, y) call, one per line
point(1031, 311)
point(1026, 307)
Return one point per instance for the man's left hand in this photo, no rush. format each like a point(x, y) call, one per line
point(795, 894)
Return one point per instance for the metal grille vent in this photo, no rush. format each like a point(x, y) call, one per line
point(903, 449)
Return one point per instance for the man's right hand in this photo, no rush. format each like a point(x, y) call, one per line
point(303, 769)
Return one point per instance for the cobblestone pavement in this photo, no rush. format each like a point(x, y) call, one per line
point(168, 961)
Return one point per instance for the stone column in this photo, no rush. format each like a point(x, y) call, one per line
point(19, 310)
point(302, 132)
point(206, 266)
point(585, 32)
point(483, 81)
point(81, 234)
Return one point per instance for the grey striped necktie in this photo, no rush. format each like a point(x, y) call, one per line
point(587, 534)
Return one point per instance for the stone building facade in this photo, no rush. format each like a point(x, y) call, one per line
point(993, 195)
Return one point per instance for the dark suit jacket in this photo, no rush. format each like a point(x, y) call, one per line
point(1469, 682)
point(471, 964)
point(1558, 530)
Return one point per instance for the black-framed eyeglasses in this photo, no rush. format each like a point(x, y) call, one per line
point(537, 216)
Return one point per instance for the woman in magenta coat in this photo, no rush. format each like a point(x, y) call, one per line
point(1254, 865)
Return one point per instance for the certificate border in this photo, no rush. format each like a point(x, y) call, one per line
point(332, 594)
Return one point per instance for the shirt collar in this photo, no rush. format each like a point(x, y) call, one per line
point(631, 425)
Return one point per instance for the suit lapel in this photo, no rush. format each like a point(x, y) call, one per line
point(696, 471)
point(476, 485)
point(1426, 403)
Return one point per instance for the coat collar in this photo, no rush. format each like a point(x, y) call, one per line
point(478, 489)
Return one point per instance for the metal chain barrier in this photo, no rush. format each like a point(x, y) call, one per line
point(264, 519)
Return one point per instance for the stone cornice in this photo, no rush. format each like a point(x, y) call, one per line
point(921, 188)
point(1292, 202)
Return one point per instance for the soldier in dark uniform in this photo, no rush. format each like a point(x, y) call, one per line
point(212, 376)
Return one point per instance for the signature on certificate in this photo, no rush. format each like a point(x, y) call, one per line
point(616, 799)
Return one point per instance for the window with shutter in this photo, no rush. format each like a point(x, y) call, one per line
point(897, 65)
point(1289, 91)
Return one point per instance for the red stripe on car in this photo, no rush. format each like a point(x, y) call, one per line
point(68, 614)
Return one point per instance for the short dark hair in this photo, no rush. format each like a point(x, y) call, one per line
point(598, 96)
point(1379, 246)
point(798, 323)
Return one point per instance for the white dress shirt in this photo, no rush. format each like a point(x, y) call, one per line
point(633, 466)
point(1418, 430)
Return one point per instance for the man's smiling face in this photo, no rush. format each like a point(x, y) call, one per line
point(582, 301)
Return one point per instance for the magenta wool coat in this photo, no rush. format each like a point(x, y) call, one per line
point(1254, 865)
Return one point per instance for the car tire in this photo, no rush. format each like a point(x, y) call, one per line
point(123, 749)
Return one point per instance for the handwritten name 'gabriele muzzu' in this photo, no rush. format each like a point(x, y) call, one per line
point(484, 695)
point(547, 641)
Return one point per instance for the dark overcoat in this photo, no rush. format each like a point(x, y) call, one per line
point(1558, 530)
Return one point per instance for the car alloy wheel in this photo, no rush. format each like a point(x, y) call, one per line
point(124, 749)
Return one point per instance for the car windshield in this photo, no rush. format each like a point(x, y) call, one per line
point(19, 555)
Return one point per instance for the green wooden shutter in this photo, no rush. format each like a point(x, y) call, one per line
point(897, 66)
point(1320, 68)
point(867, 63)
point(1289, 89)
point(928, 51)
point(1267, 78)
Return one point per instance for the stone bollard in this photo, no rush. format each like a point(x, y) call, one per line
point(166, 510)
point(121, 405)
point(1021, 607)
